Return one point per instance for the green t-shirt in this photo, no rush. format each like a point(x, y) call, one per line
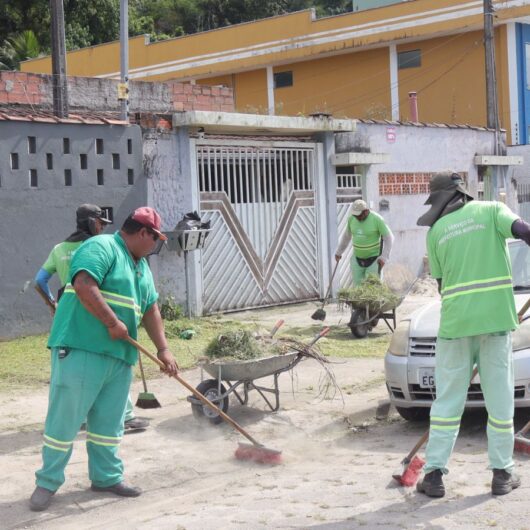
point(127, 286)
point(59, 260)
point(467, 250)
point(366, 235)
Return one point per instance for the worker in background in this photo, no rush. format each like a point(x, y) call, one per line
point(91, 221)
point(372, 242)
point(468, 256)
point(110, 292)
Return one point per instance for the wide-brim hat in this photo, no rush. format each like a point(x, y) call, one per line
point(443, 187)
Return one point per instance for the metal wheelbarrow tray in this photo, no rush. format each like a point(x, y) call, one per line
point(241, 374)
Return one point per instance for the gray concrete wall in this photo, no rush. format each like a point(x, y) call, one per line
point(415, 150)
point(34, 219)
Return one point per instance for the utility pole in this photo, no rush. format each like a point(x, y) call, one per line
point(497, 177)
point(123, 88)
point(60, 85)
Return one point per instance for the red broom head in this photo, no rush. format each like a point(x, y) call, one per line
point(521, 445)
point(258, 454)
point(413, 471)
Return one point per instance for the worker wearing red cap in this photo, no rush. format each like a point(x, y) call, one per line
point(110, 292)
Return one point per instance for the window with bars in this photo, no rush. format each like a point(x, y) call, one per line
point(254, 175)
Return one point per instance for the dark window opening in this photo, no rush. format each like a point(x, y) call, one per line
point(14, 160)
point(83, 161)
point(32, 145)
point(99, 146)
point(49, 161)
point(33, 180)
point(100, 177)
point(283, 79)
point(129, 146)
point(66, 146)
point(115, 161)
point(409, 59)
point(130, 177)
point(67, 177)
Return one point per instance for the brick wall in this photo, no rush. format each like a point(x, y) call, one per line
point(88, 93)
point(404, 183)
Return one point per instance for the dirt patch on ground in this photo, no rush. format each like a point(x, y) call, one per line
point(338, 459)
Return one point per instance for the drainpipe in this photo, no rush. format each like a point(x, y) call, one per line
point(413, 105)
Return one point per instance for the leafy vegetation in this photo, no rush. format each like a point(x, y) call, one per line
point(90, 22)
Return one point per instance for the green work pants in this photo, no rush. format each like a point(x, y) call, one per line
point(360, 273)
point(129, 411)
point(92, 386)
point(455, 358)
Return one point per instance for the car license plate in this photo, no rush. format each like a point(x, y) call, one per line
point(426, 377)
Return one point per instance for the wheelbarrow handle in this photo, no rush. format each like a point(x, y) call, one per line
point(195, 392)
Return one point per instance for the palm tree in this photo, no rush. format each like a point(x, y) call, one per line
point(16, 49)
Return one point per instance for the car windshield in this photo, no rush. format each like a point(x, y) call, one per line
point(520, 258)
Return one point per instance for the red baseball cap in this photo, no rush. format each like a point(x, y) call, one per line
point(149, 218)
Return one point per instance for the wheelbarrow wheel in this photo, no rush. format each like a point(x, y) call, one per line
point(359, 330)
point(210, 388)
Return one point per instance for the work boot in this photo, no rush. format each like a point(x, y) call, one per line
point(40, 499)
point(432, 484)
point(503, 482)
point(136, 424)
point(120, 489)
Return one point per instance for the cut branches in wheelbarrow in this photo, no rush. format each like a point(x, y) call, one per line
point(238, 377)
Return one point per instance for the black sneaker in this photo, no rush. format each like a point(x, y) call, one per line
point(121, 489)
point(40, 499)
point(136, 424)
point(504, 482)
point(432, 484)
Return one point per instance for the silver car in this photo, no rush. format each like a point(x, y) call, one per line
point(409, 362)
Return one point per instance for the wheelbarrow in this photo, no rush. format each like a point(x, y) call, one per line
point(365, 315)
point(240, 378)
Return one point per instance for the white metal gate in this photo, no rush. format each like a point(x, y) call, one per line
point(349, 189)
point(260, 199)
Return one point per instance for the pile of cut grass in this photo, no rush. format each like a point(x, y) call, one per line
point(371, 292)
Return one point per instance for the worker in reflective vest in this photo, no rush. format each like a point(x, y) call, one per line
point(372, 242)
point(111, 291)
point(468, 255)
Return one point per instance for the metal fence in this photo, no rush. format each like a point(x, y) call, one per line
point(523, 198)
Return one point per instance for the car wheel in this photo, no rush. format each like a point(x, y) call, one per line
point(414, 413)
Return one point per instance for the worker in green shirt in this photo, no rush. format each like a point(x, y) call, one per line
point(110, 292)
point(468, 256)
point(372, 242)
point(91, 221)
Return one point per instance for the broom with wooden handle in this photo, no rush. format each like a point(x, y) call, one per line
point(146, 400)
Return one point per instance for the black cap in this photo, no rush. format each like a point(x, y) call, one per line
point(443, 187)
point(90, 211)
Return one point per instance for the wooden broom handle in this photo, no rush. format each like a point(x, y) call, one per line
point(523, 310)
point(331, 282)
point(425, 435)
point(196, 393)
point(142, 372)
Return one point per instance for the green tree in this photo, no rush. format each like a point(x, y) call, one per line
point(18, 48)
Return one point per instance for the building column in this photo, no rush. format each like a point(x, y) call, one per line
point(394, 81)
point(513, 84)
point(270, 91)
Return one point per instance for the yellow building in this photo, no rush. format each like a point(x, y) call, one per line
point(361, 64)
